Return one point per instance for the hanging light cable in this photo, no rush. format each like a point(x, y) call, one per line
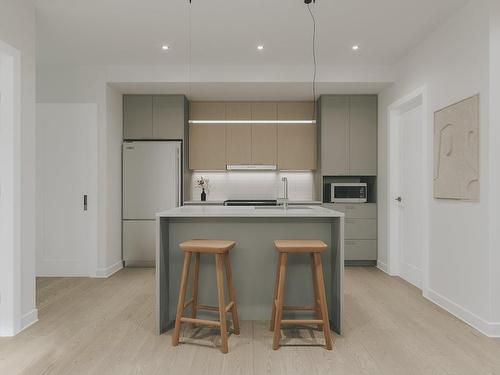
point(189, 51)
point(308, 4)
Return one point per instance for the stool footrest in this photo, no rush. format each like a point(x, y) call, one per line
point(299, 308)
point(214, 308)
point(213, 323)
point(188, 303)
point(290, 322)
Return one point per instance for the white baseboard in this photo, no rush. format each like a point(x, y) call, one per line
point(108, 271)
point(26, 320)
point(382, 266)
point(29, 319)
point(490, 329)
point(411, 274)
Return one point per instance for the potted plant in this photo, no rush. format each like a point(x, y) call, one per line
point(202, 183)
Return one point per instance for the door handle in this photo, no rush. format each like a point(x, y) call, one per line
point(399, 199)
point(85, 202)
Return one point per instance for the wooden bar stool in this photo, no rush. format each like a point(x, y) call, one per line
point(221, 251)
point(314, 248)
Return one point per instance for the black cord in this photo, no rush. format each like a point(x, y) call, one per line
point(314, 60)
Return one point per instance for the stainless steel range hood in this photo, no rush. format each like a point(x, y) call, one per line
point(251, 167)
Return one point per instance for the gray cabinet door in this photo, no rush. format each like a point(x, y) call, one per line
point(168, 117)
point(363, 135)
point(137, 117)
point(334, 135)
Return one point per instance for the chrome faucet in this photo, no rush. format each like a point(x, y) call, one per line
point(285, 191)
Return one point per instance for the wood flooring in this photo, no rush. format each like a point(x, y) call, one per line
point(106, 326)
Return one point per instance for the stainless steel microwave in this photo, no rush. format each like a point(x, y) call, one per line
point(349, 192)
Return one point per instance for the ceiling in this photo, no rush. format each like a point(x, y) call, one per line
point(249, 91)
point(226, 32)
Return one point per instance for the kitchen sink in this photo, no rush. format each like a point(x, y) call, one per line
point(282, 208)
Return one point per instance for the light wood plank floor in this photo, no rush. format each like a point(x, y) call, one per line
point(95, 326)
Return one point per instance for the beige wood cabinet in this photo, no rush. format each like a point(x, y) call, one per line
point(238, 144)
point(238, 111)
point(297, 147)
point(207, 111)
point(349, 135)
point(264, 110)
point(207, 146)
point(291, 146)
point(264, 144)
point(296, 111)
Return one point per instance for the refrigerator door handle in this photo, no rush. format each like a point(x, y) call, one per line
point(179, 176)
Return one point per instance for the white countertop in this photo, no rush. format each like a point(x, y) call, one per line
point(219, 202)
point(249, 211)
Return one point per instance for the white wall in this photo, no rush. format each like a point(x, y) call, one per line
point(453, 64)
point(17, 28)
point(494, 141)
point(257, 185)
point(114, 135)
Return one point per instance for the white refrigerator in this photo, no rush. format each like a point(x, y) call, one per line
point(151, 184)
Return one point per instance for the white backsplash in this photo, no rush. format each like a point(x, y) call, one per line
point(255, 185)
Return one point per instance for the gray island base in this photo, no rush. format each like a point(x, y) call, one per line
point(253, 259)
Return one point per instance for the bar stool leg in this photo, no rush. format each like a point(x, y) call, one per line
point(182, 298)
point(316, 292)
point(275, 295)
point(232, 294)
point(322, 300)
point(196, 278)
point(222, 307)
point(279, 301)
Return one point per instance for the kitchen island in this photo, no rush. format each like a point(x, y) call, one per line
point(253, 259)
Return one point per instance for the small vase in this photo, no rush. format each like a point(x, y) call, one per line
point(203, 195)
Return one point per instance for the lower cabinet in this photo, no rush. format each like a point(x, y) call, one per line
point(360, 232)
point(139, 242)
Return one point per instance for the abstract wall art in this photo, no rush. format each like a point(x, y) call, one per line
point(456, 151)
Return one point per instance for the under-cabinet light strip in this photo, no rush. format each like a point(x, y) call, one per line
point(252, 121)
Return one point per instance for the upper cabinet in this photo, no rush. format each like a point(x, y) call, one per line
point(363, 135)
point(154, 116)
point(207, 111)
point(348, 135)
point(169, 113)
point(137, 116)
point(264, 136)
point(297, 147)
point(295, 111)
point(207, 147)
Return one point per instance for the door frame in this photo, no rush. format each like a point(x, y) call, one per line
point(11, 267)
point(395, 110)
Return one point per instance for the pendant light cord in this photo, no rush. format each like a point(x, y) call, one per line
point(189, 51)
point(314, 59)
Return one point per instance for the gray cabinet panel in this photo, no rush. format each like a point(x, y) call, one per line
point(137, 116)
point(334, 135)
point(168, 117)
point(361, 249)
point(363, 135)
point(357, 210)
point(360, 229)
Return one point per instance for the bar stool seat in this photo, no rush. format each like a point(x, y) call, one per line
point(220, 249)
point(314, 248)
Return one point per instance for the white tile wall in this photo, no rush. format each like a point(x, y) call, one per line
point(261, 185)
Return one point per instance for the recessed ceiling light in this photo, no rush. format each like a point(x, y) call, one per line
point(260, 47)
point(165, 47)
point(355, 47)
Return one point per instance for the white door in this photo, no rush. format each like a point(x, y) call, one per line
point(63, 150)
point(410, 195)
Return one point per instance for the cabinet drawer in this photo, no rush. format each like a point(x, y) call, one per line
point(355, 210)
point(360, 229)
point(361, 249)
